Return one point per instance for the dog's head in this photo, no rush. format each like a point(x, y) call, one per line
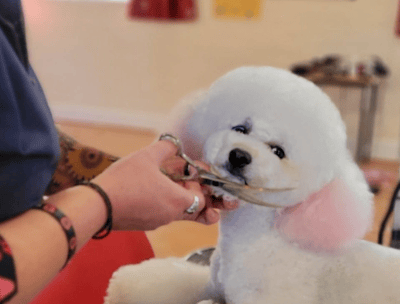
point(266, 127)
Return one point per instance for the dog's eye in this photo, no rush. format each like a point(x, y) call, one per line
point(278, 151)
point(241, 129)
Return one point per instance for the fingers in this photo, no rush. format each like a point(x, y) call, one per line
point(174, 167)
point(206, 213)
point(208, 216)
point(164, 154)
point(161, 151)
point(219, 203)
point(203, 165)
point(195, 199)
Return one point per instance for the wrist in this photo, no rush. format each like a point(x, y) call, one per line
point(107, 227)
point(85, 208)
point(64, 222)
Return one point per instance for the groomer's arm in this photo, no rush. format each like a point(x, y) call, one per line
point(40, 263)
point(38, 243)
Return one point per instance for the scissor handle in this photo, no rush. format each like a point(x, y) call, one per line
point(176, 141)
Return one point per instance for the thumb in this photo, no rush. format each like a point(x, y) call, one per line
point(162, 150)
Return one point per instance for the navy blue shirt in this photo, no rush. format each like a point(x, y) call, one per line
point(29, 147)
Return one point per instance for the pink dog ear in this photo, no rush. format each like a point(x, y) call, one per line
point(328, 220)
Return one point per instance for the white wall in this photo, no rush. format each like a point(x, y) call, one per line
point(91, 58)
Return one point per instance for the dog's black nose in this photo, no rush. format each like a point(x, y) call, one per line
point(239, 158)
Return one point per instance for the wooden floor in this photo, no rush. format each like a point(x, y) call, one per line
point(180, 238)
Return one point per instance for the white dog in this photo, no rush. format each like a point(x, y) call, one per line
point(266, 127)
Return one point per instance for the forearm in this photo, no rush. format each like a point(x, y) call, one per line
point(38, 243)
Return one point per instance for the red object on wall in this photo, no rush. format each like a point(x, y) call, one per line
point(86, 278)
point(163, 9)
point(398, 22)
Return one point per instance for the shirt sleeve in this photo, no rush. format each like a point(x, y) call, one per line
point(29, 147)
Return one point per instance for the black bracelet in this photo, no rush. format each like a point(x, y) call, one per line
point(66, 225)
point(107, 227)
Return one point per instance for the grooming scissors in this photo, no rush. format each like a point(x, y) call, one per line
point(212, 178)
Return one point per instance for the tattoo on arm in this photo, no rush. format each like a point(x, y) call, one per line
point(77, 163)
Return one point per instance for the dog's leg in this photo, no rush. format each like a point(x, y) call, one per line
point(161, 281)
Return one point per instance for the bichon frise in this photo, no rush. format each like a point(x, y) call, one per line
point(265, 127)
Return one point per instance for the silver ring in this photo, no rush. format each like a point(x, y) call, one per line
point(195, 206)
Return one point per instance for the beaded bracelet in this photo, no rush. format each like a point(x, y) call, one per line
point(107, 227)
point(66, 225)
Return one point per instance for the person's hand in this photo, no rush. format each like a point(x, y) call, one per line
point(143, 198)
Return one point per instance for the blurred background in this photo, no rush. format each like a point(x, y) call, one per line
point(97, 64)
point(111, 78)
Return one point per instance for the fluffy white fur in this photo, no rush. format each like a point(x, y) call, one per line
point(308, 251)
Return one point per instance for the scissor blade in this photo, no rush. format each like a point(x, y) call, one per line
point(243, 192)
point(247, 197)
point(213, 180)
